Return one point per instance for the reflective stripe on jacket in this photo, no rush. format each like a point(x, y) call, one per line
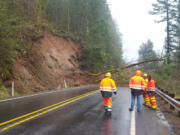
point(137, 82)
point(107, 84)
point(151, 85)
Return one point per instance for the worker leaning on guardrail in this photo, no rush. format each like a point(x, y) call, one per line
point(107, 86)
point(151, 92)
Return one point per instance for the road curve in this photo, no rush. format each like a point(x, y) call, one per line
point(82, 115)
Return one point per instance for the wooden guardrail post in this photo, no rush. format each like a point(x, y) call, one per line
point(166, 92)
point(172, 95)
point(171, 107)
point(178, 113)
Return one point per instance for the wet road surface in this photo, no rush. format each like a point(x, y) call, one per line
point(84, 116)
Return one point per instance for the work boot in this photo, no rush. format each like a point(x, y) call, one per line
point(130, 109)
point(107, 115)
point(153, 108)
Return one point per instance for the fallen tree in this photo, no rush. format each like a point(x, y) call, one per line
point(125, 67)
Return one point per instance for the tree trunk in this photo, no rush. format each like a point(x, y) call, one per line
point(168, 37)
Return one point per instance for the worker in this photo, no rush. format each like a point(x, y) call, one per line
point(145, 94)
point(108, 87)
point(136, 84)
point(151, 91)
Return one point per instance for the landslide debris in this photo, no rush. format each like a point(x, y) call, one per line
point(52, 62)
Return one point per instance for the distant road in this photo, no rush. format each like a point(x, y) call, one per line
point(78, 111)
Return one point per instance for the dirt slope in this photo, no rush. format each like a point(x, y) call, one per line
point(52, 62)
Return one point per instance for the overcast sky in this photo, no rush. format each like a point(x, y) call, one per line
point(136, 25)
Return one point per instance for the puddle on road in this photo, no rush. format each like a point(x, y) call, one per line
point(163, 121)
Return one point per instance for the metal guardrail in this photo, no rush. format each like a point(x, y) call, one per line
point(174, 104)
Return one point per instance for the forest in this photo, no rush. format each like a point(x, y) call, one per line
point(167, 73)
point(87, 22)
point(90, 23)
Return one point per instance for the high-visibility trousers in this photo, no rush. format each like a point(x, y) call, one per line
point(153, 101)
point(147, 100)
point(108, 102)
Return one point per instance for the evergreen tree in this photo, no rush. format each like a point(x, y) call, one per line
point(146, 52)
point(165, 8)
point(87, 21)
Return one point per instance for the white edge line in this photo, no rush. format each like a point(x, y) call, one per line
point(5, 100)
point(26, 96)
point(133, 124)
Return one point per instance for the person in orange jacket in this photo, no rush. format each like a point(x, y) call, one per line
point(137, 85)
point(145, 94)
point(107, 87)
point(151, 92)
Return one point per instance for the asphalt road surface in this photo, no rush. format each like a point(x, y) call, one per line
point(78, 111)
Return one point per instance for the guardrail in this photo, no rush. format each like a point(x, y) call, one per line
point(174, 104)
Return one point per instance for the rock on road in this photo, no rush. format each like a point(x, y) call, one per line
point(84, 116)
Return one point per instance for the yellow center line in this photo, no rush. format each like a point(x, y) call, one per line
point(23, 116)
point(27, 119)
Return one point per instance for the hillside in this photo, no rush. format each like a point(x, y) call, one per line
point(46, 42)
point(53, 60)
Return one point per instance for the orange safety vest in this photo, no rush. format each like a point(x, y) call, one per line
point(146, 83)
point(137, 82)
point(107, 85)
point(151, 85)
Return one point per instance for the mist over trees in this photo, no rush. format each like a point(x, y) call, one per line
point(91, 21)
point(146, 52)
point(88, 22)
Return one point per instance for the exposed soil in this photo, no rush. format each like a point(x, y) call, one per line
point(53, 61)
point(171, 116)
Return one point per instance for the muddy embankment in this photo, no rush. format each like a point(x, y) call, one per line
point(53, 61)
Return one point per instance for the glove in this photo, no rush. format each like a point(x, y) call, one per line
point(115, 92)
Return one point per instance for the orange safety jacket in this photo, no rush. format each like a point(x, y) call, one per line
point(137, 82)
point(151, 85)
point(146, 83)
point(107, 85)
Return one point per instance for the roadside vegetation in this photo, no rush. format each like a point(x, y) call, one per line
point(167, 73)
point(88, 22)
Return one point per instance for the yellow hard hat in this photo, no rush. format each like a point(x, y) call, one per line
point(145, 75)
point(138, 72)
point(108, 74)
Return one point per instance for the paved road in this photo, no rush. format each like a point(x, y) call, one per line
point(82, 115)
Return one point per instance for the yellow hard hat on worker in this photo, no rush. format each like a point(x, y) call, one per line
point(108, 74)
point(145, 75)
point(138, 72)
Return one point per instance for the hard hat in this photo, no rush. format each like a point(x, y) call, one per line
point(108, 74)
point(145, 75)
point(138, 72)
